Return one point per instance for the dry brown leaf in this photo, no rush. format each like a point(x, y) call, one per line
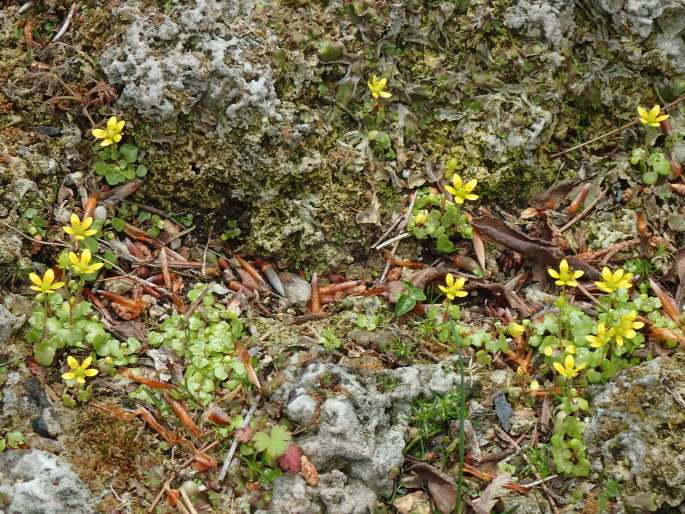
point(667, 302)
point(308, 470)
point(245, 358)
point(479, 248)
point(441, 486)
point(543, 252)
point(678, 272)
point(552, 197)
point(491, 494)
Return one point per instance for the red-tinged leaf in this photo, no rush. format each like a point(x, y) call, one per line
point(217, 415)
point(243, 434)
point(308, 470)
point(290, 460)
point(203, 462)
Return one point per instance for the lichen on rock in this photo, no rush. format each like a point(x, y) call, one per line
point(636, 434)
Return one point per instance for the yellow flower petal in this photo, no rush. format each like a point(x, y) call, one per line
point(35, 279)
point(563, 266)
point(470, 185)
point(49, 277)
point(72, 362)
point(86, 362)
point(578, 274)
point(120, 125)
point(560, 369)
point(85, 256)
point(91, 372)
point(99, 133)
point(73, 259)
point(385, 94)
point(654, 112)
point(116, 138)
point(81, 380)
point(449, 279)
point(461, 294)
point(569, 361)
point(68, 376)
point(553, 273)
point(106, 142)
point(112, 123)
point(642, 112)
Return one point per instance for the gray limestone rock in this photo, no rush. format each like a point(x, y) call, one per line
point(359, 443)
point(37, 482)
point(636, 434)
point(191, 59)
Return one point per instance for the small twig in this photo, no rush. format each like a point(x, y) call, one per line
point(196, 303)
point(181, 234)
point(49, 243)
point(390, 241)
point(234, 445)
point(186, 500)
point(584, 212)
point(25, 7)
point(541, 481)
point(545, 490)
point(67, 22)
point(614, 131)
point(590, 295)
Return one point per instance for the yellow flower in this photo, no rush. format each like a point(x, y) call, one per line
point(79, 372)
point(626, 328)
point(462, 192)
point(79, 230)
point(619, 279)
point(548, 350)
point(455, 287)
point(568, 369)
point(534, 385)
point(653, 117)
point(515, 329)
point(421, 218)
point(565, 276)
point(81, 265)
point(377, 87)
point(602, 337)
point(46, 284)
point(570, 349)
point(112, 134)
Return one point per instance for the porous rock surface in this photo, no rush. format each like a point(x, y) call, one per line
point(359, 441)
point(636, 434)
point(38, 482)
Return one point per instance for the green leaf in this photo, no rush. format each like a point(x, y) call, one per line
point(44, 353)
point(14, 439)
point(141, 171)
point(275, 443)
point(650, 177)
point(405, 303)
point(129, 152)
point(444, 244)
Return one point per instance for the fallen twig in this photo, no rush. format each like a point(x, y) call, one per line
point(614, 131)
point(65, 26)
point(234, 445)
point(584, 212)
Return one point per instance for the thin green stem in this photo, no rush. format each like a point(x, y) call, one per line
point(462, 415)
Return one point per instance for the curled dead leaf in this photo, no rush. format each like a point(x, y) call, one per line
point(308, 470)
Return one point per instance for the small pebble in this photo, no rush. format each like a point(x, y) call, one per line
point(101, 213)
